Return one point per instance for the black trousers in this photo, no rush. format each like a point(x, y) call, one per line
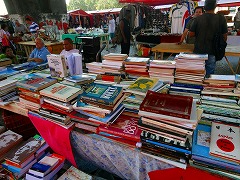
point(125, 48)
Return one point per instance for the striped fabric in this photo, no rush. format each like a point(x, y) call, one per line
point(33, 27)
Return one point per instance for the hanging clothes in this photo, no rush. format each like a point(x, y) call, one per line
point(180, 14)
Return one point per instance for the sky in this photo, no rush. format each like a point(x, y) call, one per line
point(3, 10)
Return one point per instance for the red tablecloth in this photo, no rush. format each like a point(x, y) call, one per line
point(57, 137)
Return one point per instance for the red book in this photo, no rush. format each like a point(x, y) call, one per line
point(124, 126)
point(166, 104)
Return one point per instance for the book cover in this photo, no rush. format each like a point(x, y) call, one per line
point(115, 56)
point(21, 155)
point(61, 92)
point(74, 173)
point(39, 169)
point(57, 65)
point(225, 141)
point(124, 126)
point(35, 83)
point(166, 104)
point(137, 61)
point(8, 140)
point(142, 85)
point(105, 94)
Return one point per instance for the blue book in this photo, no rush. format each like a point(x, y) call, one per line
point(201, 143)
point(39, 169)
point(185, 90)
point(182, 85)
point(8, 72)
point(101, 93)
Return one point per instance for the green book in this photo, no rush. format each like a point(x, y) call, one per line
point(102, 93)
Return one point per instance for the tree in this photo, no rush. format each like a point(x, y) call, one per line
point(88, 5)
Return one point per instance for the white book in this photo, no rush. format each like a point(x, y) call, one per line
point(225, 141)
point(57, 65)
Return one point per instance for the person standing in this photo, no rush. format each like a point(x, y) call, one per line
point(124, 26)
point(20, 28)
point(33, 27)
point(237, 19)
point(204, 28)
point(198, 11)
point(111, 28)
point(4, 35)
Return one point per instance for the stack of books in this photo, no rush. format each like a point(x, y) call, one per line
point(8, 91)
point(135, 93)
point(95, 68)
point(216, 149)
point(46, 168)
point(78, 80)
point(29, 90)
point(163, 70)
point(124, 130)
point(186, 90)
point(58, 100)
point(8, 140)
point(113, 63)
point(190, 68)
point(168, 122)
point(136, 67)
point(20, 158)
point(237, 80)
point(101, 103)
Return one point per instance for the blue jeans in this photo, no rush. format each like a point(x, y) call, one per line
point(210, 65)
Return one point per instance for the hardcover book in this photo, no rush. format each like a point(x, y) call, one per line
point(24, 153)
point(105, 94)
point(166, 104)
point(57, 65)
point(142, 85)
point(61, 92)
point(8, 140)
point(225, 141)
point(124, 126)
point(35, 83)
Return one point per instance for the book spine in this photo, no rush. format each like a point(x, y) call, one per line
point(220, 111)
point(30, 98)
point(119, 133)
point(168, 146)
point(158, 138)
point(11, 163)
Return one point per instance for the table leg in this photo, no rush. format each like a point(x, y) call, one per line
point(229, 65)
point(237, 70)
point(161, 55)
point(155, 55)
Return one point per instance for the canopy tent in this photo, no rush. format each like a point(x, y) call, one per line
point(104, 11)
point(228, 3)
point(81, 13)
point(78, 12)
point(152, 2)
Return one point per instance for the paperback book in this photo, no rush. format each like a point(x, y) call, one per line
point(105, 94)
point(61, 92)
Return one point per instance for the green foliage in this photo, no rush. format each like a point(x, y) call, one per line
point(91, 5)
